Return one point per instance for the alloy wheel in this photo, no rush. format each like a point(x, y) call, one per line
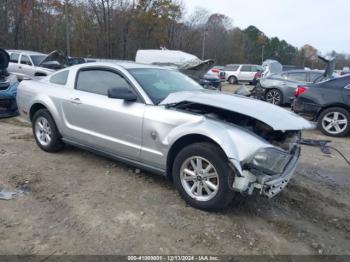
point(199, 178)
point(334, 122)
point(273, 97)
point(43, 131)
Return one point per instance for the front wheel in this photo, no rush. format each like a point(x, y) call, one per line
point(202, 176)
point(334, 121)
point(45, 132)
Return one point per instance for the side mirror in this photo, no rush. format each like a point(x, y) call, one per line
point(122, 93)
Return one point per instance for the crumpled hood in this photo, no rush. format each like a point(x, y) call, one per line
point(274, 116)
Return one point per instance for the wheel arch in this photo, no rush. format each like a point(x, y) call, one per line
point(47, 104)
point(340, 105)
point(35, 108)
point(180, 143)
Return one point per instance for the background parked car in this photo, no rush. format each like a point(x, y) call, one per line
point(278, 89)
point(30, 64)
point(218, 71)
point(8, 88)
point(328, 103)
point(209, 81)
point(27, 63)
point(240, 73)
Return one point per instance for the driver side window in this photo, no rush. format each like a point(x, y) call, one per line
point(98, 81)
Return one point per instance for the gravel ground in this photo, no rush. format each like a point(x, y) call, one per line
point(80, 203)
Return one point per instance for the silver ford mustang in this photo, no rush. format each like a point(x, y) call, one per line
point(211, 144)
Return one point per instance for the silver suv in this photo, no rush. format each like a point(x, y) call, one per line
point(27, 63)
point(241, 73)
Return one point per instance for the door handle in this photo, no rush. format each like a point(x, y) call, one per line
point(75, 101)
point(19, 67)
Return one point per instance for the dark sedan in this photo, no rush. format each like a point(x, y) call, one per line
point(210, 82)
point(328, 103)
point(279, 89)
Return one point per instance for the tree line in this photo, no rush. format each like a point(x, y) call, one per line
point(118, 28)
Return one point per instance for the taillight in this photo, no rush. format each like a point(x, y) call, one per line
point(215, 70)
point(300, 90)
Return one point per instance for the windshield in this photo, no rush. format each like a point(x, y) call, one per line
point(37, 59)
point(159, 83)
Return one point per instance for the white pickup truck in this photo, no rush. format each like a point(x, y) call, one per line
point(27, 63)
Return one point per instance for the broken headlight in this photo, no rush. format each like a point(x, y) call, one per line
point(270, 160)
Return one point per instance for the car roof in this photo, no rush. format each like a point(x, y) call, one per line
point(242, 65)
point(125, 64)
point(26, 52)
point(303, 71)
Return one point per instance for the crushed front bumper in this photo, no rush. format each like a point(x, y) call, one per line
point(272, 185)
point(267, 185)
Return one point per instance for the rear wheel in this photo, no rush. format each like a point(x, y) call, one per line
point(45, 132)
point(202, 176)
point(233, 80)
point(334, 121)
point(274, 96)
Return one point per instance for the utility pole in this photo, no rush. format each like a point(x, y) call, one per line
point(262, 54)
point(67, 28)
point(203, 42)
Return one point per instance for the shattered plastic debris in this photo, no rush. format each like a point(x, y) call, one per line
point(243, 91)
point(6, 195)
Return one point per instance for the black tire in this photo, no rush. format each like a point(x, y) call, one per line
point(233, 80)
point(274, 93)
point(218, 159)
point(55, 144)
point(343, 114)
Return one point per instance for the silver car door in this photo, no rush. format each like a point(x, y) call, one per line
point(93, 119)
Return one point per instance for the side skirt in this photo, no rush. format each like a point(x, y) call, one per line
point(125, 160)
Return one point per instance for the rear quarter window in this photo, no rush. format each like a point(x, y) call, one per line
point(297, 77)
point(60, 78)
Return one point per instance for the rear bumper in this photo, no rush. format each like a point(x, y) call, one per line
point(214, 84)
point(306, 108)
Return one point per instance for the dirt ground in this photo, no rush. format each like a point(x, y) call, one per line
point(80, 203)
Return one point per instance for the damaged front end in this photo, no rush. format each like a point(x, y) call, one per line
point(269, 168)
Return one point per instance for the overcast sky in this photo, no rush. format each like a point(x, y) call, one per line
point(325, 24)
